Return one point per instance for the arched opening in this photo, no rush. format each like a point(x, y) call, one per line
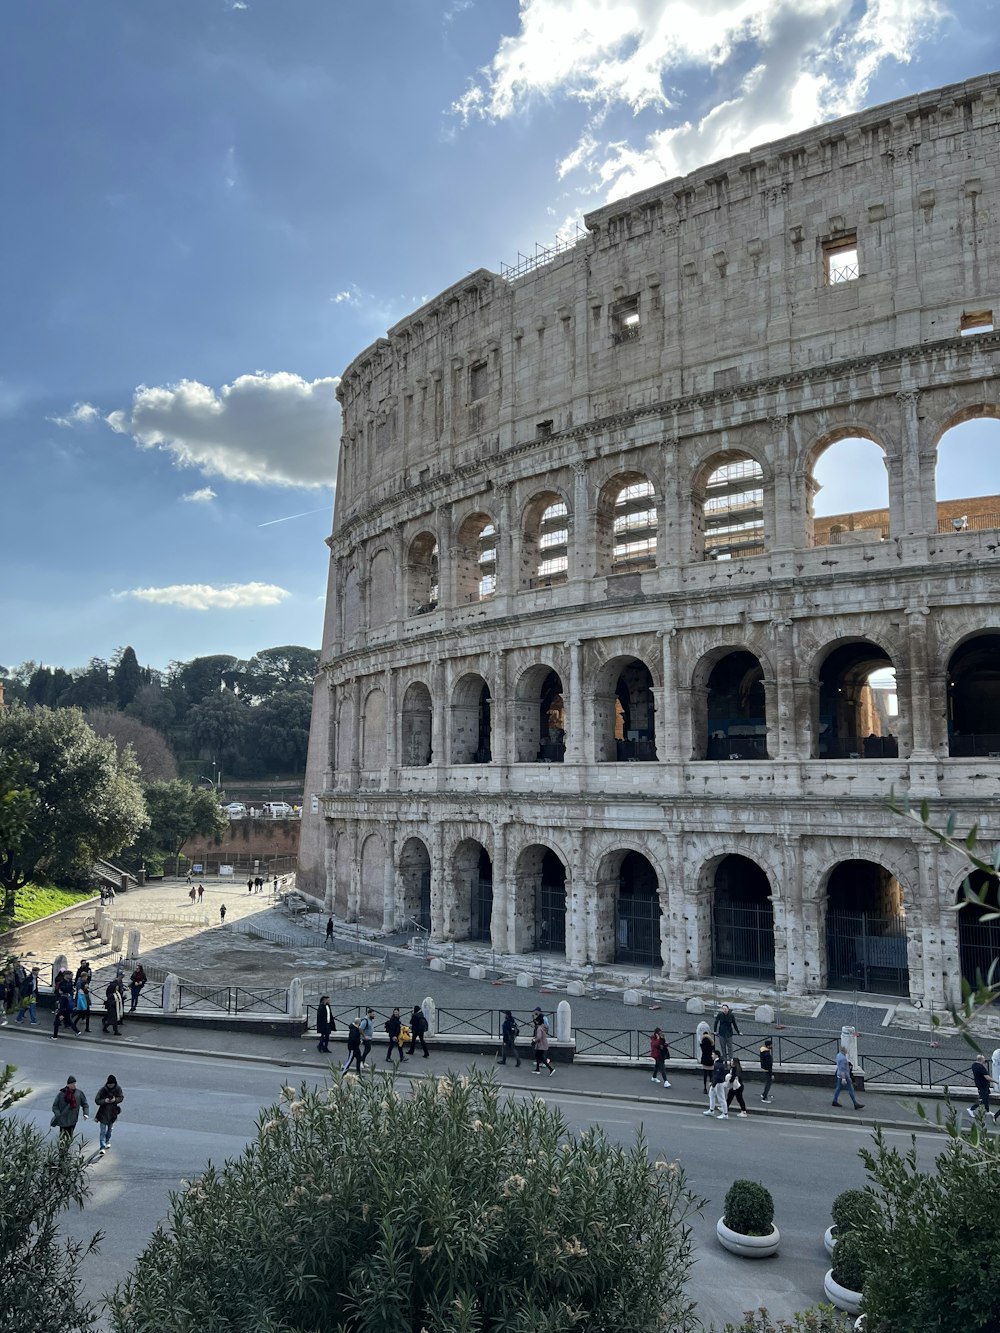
point(965, 479)
point(422, 574)
point(382, 590)
point(974, 698)
point(545, 542)
point(626, 525)
point(637, 913)
point(539, 718)
point(371, 900)
point(540, 899)
point(476, 559)
point(848, 500)
point(865, 930)
point(978, 937)
point(858, 704)
point(742, 920)
point(732, 510)
point(415, 877)
point(373, 731)
point(473, 893)
point(415, 733)
point(626, 713)
point(470, 722)
point(736, 716)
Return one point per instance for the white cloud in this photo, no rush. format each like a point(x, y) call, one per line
point(205, 597)
point(269, 429)
point(350, 296)
point(201, 497)
point(776, 66)
point(80, 414)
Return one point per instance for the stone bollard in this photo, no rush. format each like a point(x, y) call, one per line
point(99, 918)
point(117, 937)
point(696, 1005)
point(431, 1014)
point(438, 965)
point(525, 980)
point(171, 993)
point(133, 942)
point(763, 1014)
point(576, 988)
point(106, 928)
point(477, 972)
point(849, 1041)
point(564, 1021)
point(631, 997)
point(295, 1000)
point(59, 964)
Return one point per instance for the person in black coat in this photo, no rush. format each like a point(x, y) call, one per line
point(109, 1100)
point(65, 1013)
point(114, 1007)
point(353, 1046)
point(418, 1027)
point(393, 1024)
point(325, 1023)
point(509, 1033)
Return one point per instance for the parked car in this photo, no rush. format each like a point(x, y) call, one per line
point(235, 810)
point(277, 810)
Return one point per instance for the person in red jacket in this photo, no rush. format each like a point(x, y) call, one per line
point(659, 1051)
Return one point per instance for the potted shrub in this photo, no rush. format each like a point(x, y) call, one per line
point(851, 1208)
point(845, 1281)
point(746, 1226)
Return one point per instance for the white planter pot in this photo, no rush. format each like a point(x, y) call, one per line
point(749, 1247)
point(829, 1241)
point(842, 1297)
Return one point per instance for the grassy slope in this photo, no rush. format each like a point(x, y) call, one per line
point(37, 900)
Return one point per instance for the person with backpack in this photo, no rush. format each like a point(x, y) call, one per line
point(354, 1055)
point(659, 1051)
point(706, 1053)
point(367, 1026)
point(509, 1033)
point(65, 1014)
point(734, 1087)
point(540, 1041)
point(418, 1030)
point(83, 1004)
point(136, 983)
point(28, 996)
point(767, 1064)
point(325, 1023)
point(394, 1028)
point(109, 1100)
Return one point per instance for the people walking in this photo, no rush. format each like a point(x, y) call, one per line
point(716, 1091)
point(724, 1028)
point(28, 996)
point(767, 1064)
point(393, 1026)
point(659, 1051)
point(367, 1026)
point(70, 1103)
point(84, 974)
point(418, 1031)
point(222, 914)
point(706, 1054)
point(201, 892)
point(65, 1011)
point(325, 1023)
point(329, 931)
point(114, 1008)
point(540, 1040)
point(509, 1033)
point(844, 1080)
point(354, 1055)
point(84, 1004)
point(734, 1087)
point(137, 982)
point(192, 894)
point(109, 1100)
point(984, 1081)
point(250, 884)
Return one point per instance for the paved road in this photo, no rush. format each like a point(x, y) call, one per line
point(183, 1109)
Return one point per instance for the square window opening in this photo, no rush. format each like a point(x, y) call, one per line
point(625, 322)
point(840, 261)
point(976, 321)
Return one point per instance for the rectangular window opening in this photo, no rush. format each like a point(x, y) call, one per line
point(478, 381)
point(625, 323)
point(840, 261)
point(976, 321)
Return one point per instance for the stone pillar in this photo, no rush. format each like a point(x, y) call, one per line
point(295, 1000)
point(782, 502)
point(506, 575)
point(577, 945)
point(439, 735)
point(668, 731)
point(171, 993)
point(392, 727)
point(564, 1021)
point(431, 1014)
point(919, 700)
point(581, 557)
point(575, 749)
point(438, 872)
point(783, 726)
point(446, 559)
point(133, 942)
point(354, 891)
point(500, 921)
point(909, 518)
point(789, 960)
point(940, 982)
point(389, 883)
point(117, 937)
point(356, 734)
point(501, 713)
point(399, 575)
point(675, 923)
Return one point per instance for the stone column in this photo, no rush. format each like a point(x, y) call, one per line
point(910, 517)
point(782, 502)
point(789, 969)
point(676, 924)
point(446, 559)
point(501, 719)
point(577, 951)
point(439, 714)
point(389, 883)
point(784, 725)
point(919, 700)
point(581, 555)
point(392, 727)
point(399, 575)
point(500, 922)
point(941, 979)
point(356, 734)
point(575, 750)
point(668, 732)
point(437, 884)
point(506, 574)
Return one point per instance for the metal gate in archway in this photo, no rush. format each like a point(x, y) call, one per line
point(482, 901)
point(742, 939)
point(978, 947)
point(637, 928)
point(550, 916)
point(866, 951)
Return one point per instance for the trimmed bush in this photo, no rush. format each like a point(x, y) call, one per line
point(749, 1208)
point(851, 1209)
point(850, 1262)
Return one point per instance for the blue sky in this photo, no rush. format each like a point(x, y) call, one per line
point(211, 206)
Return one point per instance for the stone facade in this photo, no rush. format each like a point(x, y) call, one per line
point(593, 679)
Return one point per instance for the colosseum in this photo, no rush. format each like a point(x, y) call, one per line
point(597, 681)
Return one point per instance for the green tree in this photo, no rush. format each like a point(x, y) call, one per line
point(280, 731)
point(126, 678)
point(472, 1212)
point(219, 724)
point(274, 670)
point(153, 706)
point(204, 677)
point(39, 1286)
point(90, 688)
point(178, 811)
point(83, 798)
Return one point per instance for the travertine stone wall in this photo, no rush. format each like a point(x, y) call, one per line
point(695, 325)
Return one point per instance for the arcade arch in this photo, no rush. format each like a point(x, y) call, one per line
point(472, 890)
point(865, 929)
point(742, 920)
point(371, 898)
point(470, 721)
point(968, 464)
point(848, 492)
point(974, 697)
point(422, 583)
point(625, 712)
point(415, 882)
point(733, 721)
point(732, 508)
point(416, 733)
point(858, 704)
point(978, 936)
point(540, 900)
point(545, 541)
point(539, 717)
point(476, 559)
point(373, 731)
point(626, 525)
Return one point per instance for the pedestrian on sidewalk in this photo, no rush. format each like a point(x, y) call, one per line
point(983, 1081)
point(65, 1014)
point(716, 1090)
point(109, 1100)
point(540, 1040)
point(28, 996)
point(325, 1023)
point(222, 914)
point(767, 1064)
point(250, 884)
point(201, 892)
point(418, 1030)
point(354, 1055)
point(844, 1080)
point(367, 1026)
point(706, 1053)
point(192, 894)
point(329, 931)
point(69, 1105)
point(136, 983)
point(394, 1027)
point(509, 1033)
point(114, 1008)
point(83, 1004)
point(734, 1087)
point(725, 1027)
point(658, 1052)
point(276, 884)
point(84, 974)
